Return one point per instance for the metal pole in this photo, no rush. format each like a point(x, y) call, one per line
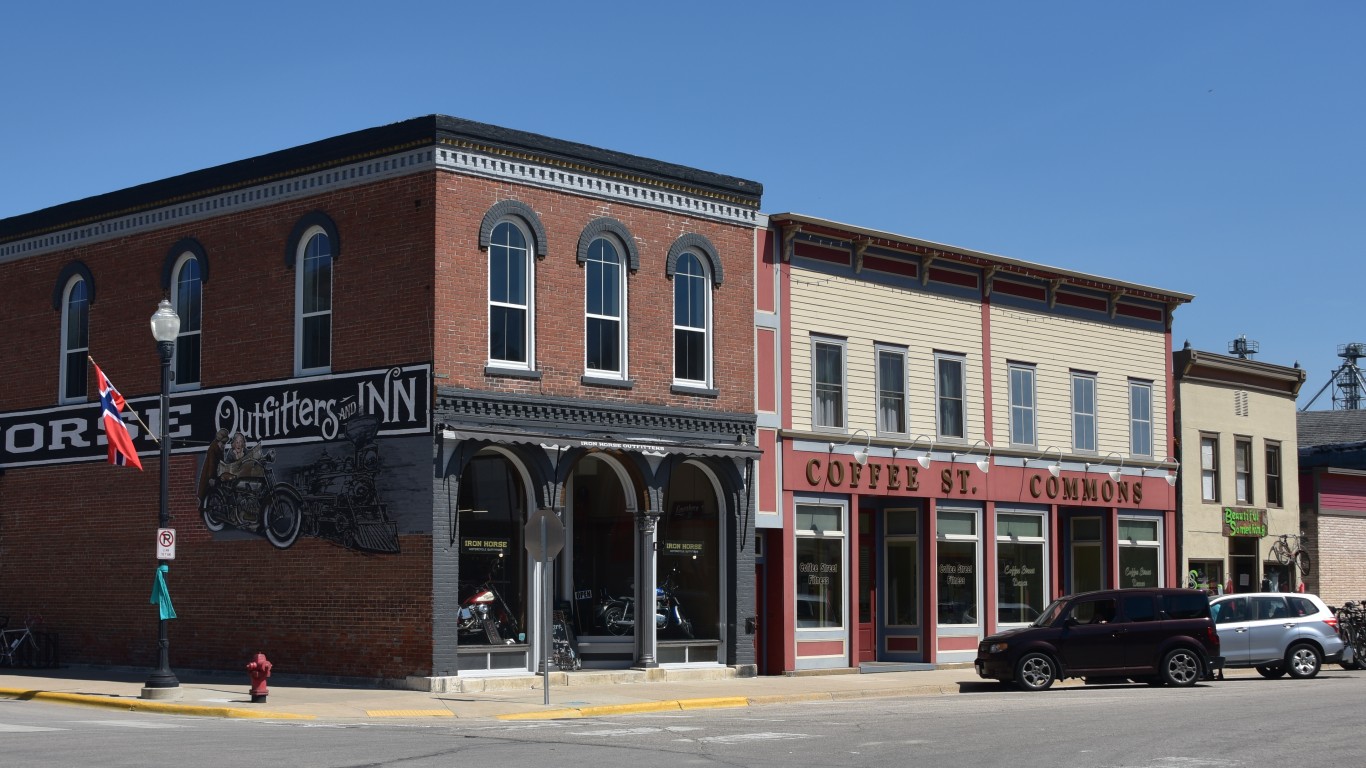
point(545, 625)
point(162, 676)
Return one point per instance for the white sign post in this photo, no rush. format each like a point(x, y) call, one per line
point(544, 540)
point(165, 543)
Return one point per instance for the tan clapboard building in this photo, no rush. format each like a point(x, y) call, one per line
point(952, 439)
point(1239, 491)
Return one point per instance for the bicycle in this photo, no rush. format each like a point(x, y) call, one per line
point(12, 641)
point(1286, 553)
point(1352, 626)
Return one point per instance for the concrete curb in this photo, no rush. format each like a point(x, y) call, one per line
point(139, 705)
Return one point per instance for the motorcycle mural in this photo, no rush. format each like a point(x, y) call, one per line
point(242, 493)
point(617, 614)
point(334, 498)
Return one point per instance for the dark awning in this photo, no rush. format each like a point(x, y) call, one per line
point(644, 444)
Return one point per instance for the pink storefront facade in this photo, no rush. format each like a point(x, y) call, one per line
point(899, 526)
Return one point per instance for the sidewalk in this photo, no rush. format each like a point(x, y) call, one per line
point(588, 693)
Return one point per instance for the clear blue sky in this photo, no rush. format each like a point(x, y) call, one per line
point(1212, 147)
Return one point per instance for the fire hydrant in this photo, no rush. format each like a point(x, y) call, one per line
point(259, 669)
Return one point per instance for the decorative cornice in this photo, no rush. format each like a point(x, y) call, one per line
point(377, 153)
point(837, 234)
point(564, 176)
point(238, 197)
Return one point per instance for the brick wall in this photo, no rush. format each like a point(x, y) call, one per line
point(1338, 547)
point(462, 296)
point(76, 541)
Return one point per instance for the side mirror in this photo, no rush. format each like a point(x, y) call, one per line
point(1070, 621)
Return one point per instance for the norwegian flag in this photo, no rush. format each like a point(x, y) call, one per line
point(121, 451)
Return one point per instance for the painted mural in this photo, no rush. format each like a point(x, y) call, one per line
point(335, 492)
point(344, 457)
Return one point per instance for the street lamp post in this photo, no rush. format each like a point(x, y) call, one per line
point(165, 329)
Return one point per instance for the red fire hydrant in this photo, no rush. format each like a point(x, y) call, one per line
point(259, 669)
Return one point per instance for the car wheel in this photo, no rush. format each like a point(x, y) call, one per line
point(1302, 661)
point(1181, 668)
point(1035, 672)
point(1271, 671)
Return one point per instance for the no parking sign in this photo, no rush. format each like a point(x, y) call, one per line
point(165, 543)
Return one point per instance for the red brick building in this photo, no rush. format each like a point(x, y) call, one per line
point(396, 346)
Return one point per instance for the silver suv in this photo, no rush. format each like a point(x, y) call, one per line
point(1276, 633)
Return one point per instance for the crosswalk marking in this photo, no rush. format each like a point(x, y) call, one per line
point(737, 738)
point(149, 724)
point(617, 732)
point(8, 728)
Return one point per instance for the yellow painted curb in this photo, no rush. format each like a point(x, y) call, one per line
point(715, 703)
point(141, 705)
point(789, 698)
point(409, 713)
point(551, 714)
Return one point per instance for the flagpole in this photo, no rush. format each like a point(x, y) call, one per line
point(145, 429)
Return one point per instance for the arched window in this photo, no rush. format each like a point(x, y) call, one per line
point(313, 300)
point(186, 295)
point(510, 292)
point(692, 322)
point(605, 300)
point(75, 338)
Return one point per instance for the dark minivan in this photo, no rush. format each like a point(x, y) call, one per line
point(1156, 636)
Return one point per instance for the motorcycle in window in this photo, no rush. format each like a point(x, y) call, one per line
point(486, 618)
point(617, 614)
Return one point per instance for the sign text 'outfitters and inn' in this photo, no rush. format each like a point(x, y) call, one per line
point(287, 411)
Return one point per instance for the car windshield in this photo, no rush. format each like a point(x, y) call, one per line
point(1050, 614)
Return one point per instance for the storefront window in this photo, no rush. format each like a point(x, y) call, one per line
point(820, 566)
point(903, 568)
point(1088, 559)
point(689, 553)
point(1139, 553)
point(603, 536)
point(492, 555)
point(1207, 575)
point(957, 567)
point(1020, 548)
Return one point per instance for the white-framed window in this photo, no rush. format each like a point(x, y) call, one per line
point(901, 547)
point(820, 542)
point(75, 339)
point(1242, 470)
point(692, 321)
point(950, 395)
point(1141, 418)
point(1021, 566)
point(891, 390)
point(1209, 468)
point(313, 300)
point(1022, 400)
point(1140, 552)
point(511, 287)
point(957, 543)
point(1087, 573)
point(187, 291)
point(605, 311)
point(1273, 474)
point(828, 383)
point(1084, 412)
